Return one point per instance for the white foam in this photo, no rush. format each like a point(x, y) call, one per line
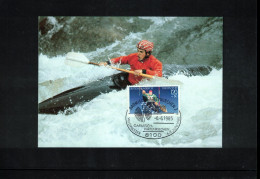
point(101, 122)
point(55, 68)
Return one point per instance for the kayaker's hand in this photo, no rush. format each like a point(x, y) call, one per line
point(156, 103)
point(143, 91)
point(138, 72)
point(102, 64)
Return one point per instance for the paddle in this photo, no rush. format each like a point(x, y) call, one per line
point(80, 58)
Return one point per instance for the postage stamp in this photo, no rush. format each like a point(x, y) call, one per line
point(153, 111)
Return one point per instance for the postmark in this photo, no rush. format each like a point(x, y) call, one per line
point(153, 111)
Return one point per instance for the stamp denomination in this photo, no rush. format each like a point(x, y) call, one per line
point(154, 111)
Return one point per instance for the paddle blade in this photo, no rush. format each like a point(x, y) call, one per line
point(163, 108)
point(76, 59)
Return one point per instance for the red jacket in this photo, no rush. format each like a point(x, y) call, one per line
point(152, 66)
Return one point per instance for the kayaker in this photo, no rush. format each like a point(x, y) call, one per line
point(141, 62)
point(151, 100)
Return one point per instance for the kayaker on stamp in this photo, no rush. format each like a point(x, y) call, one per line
point(141, 62)
point(151, 100)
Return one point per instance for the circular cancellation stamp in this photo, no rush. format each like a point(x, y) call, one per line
point(154, 111)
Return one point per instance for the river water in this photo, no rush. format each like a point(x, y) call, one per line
point(190, 49)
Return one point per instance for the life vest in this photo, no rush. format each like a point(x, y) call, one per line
point(152, 66)
point(150, 98)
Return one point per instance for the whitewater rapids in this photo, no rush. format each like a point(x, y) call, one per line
point(101, 122)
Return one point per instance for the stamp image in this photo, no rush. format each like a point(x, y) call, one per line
point(154, 111)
